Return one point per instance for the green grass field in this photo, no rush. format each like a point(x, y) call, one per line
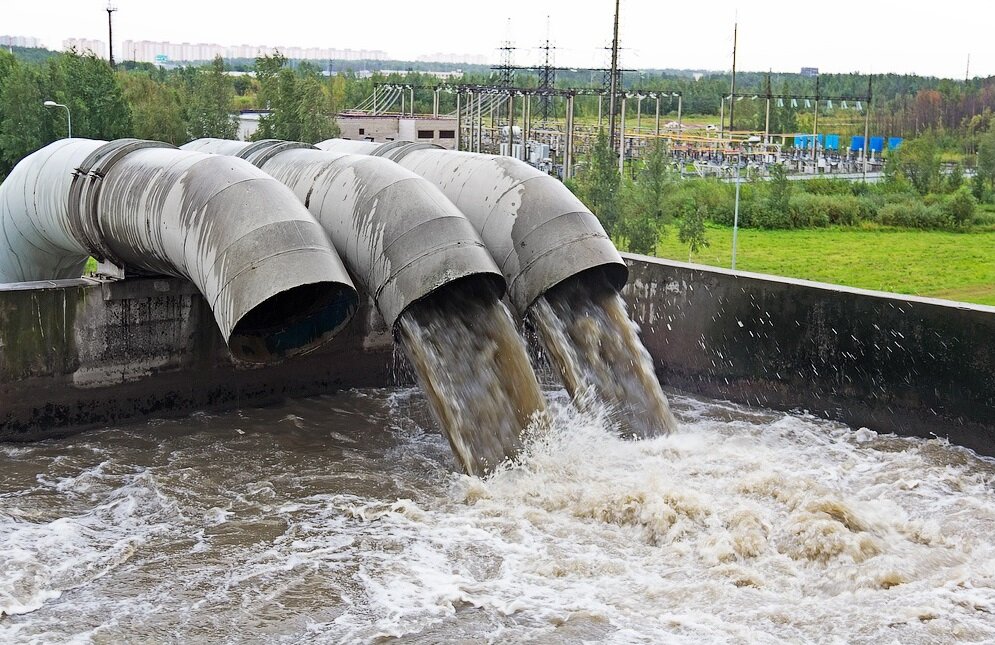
point(955, 266)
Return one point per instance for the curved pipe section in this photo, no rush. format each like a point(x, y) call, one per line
point(273, 282)
point(538, 232)
point(399, 236)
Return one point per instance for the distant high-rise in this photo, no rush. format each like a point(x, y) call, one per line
point(20, 41)
point(810, 71)
point(85, 45)
point(147, 51)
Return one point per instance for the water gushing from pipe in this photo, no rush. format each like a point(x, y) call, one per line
point(474, 369)
point(596, 349)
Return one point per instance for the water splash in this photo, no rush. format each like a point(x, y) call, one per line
point(338, 519)
point(594, 344)
point(475, 371)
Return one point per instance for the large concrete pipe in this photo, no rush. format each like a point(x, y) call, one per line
point(539, 233)
point(399, 236)
point(265, 266)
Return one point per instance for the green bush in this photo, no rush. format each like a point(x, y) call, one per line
point(828, 186)
point(960, 206)
point(914, 214)
point(983, 218)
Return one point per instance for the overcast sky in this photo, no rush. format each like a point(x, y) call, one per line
point(837, 36)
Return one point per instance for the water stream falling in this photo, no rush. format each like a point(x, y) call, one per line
point(584, 326)
point(475, 371)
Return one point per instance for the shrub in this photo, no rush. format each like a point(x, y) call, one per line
point(829, 186)
point(960, 206)
point(914, 214)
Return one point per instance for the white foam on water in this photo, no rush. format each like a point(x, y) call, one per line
point(744, 525)
point(42, 558)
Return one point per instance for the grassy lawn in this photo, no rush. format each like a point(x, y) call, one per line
point(955, 266)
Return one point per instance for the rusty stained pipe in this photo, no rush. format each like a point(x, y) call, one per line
point(538, 232)
point(398, 235)
point(273, 281)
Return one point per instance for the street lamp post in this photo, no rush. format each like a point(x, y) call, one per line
point(69, 115)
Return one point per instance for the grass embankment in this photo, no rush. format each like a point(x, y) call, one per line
point(939, 264)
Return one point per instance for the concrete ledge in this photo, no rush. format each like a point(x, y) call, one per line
point(914, 366)
point(82, 353)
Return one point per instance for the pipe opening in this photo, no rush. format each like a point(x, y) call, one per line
point(292, 322)
point(605, 278)
point(479, 287)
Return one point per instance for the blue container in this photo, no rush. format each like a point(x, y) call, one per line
point(856, 143)
point(877, 144)
point(894, 143)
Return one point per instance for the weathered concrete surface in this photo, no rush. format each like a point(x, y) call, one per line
point(914, 366)
point(79, 353)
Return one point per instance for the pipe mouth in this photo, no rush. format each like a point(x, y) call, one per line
point(606, 278)
point(478, 287)
point(583, 258)
point(293, 322)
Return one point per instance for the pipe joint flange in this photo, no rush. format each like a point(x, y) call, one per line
point(397, 150)
point(262, 151)
point(84, 192)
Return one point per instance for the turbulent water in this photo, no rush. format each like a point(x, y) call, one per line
point(340, 519)
point(595, 347)
point(474, 367)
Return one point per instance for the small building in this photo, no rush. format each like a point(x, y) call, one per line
point(395, 127)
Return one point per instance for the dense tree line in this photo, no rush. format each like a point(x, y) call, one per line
point(176, 105)
point(148, 102)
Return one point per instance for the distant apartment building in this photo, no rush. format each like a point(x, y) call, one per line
point(148, 51)
point(19, 41)
point(454, 59)
point(811, 72)
point(85, 45)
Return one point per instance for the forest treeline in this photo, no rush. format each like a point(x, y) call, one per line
point(182, 103)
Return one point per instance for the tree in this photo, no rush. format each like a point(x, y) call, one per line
point(92, 91)
point(315, 123)
point(155, 109)
point(598, 185)
point(778, 189)
point(209, 113)
point(645, 214)
point(692, 230)
point(986, 159)
point(22, 126)
point(917, 161)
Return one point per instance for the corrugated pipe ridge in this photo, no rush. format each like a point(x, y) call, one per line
point(398, 234)
point(273, 281)
point(537, 231)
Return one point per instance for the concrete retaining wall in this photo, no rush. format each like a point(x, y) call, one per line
point(81, 353)
point(914, 366)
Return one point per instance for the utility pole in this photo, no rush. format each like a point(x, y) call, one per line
point(613, 81)
point(867, 125)
point(110, 32)
point(815, 130)
point(767, 117)
point(732, 102)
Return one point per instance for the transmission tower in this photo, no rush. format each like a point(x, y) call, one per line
point(506, 70)
point(547, 79)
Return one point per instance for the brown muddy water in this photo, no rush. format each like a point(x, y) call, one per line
point(595, 349)
point(343, 519)
point(474, 368)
